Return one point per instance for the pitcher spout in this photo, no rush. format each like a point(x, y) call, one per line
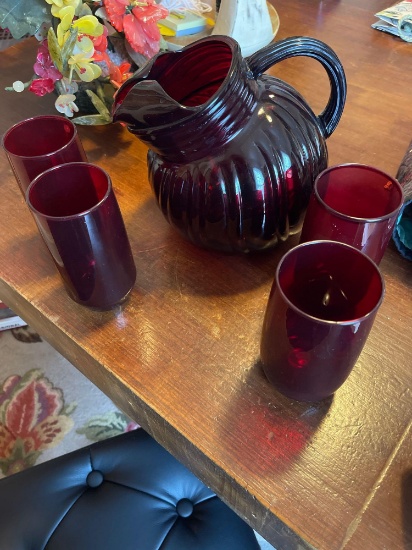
point(146, 105)
point(170, 87)
point(142, 102)
point(185, 101)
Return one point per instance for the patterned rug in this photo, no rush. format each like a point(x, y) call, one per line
point(47, 407)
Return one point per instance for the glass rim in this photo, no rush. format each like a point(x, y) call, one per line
point(192, 111)
point(319, 320)
point(17, 125)
point(64, 166)
point(356, 219)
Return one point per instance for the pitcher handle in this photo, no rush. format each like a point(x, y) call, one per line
point(295, 46)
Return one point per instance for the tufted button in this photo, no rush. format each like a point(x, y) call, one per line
point(184, 508)
point(94, 478)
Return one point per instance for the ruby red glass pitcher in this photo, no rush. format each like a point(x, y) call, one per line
point(233, 153)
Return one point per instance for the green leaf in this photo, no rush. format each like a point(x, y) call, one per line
point(54, 49)
point(23, 17)
point(99, 105)
point(91, 120)
point(100, 91)
point(83, 10)
point(67, 50)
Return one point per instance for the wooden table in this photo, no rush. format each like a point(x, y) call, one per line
point(182, 357)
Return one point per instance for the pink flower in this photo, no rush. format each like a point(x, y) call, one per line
point(44, 66)
point(138, 21)
point(42, 86)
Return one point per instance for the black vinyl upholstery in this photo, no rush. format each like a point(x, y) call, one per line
point(123, 493)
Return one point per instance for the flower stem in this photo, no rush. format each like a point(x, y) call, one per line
point(26, 85)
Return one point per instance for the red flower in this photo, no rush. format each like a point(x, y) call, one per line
point(100, 47)
point(118, 74)
point(138, 21)
point(42, 86)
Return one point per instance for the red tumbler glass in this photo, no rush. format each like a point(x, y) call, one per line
point(321, 308)
point(354, 204)
point(79, 219)
point(39, 143)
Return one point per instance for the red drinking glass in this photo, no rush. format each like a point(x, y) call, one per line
point(321, 308)
point(39, 143)
point(354, 204)
point(80, 221)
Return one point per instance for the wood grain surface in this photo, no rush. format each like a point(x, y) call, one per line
point(182, 356)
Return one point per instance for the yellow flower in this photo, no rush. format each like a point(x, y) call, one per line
point(88, 24)
point(65, 15)
point(83, 66)
point(83, 53)
point(80, 60)
point(84, 45)
point(57, 5)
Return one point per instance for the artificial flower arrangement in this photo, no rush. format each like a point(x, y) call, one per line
point(83, 47)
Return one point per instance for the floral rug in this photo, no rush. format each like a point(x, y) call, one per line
point(47, 407)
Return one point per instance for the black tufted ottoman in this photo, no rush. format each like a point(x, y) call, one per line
point(123, 493)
